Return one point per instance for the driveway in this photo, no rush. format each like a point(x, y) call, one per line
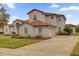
point(57, 46)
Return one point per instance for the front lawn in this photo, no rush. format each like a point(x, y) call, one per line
point(8, 42)
point(75, 51)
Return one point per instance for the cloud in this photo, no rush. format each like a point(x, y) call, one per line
point(12, 18)
point(69, 8)
point(68, 16)
point(9, 5)
point(54, 5)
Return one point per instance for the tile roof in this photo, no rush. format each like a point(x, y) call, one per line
point(37, 23)
point(49, 14)
point(70, 25)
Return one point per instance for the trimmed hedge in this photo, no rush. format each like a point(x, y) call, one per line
point(77, 29)
point(68, 30)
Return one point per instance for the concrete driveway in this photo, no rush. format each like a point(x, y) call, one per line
point(57, 46)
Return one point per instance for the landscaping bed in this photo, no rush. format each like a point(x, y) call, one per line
point(9, 42)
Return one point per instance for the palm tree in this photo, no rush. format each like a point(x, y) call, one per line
point(4, 17)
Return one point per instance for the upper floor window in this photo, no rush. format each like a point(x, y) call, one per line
point(52, 17)
point(40, 30)
point(59, 19)
point(34, 17)
point(25, 30)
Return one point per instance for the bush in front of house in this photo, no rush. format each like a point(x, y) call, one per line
point(25, 37)
point(22, 37)
point(68, 30)
point(28, 37)
point(77, 29)
point(63, 33)
point(13, 33)
point(38, 36)
point(1, 32)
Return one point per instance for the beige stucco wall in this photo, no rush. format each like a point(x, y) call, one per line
point(29, 28)
point(55, 21)
point(1, 29)
point(60, 24)
point(51, 21)
point(9, 29)
point(33, 31)
point(40, 16)
point(48, 32)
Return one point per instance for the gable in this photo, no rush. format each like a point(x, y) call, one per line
point(35, 10)
point(18, 21)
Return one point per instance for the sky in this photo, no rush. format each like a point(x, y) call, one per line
point(20, 10)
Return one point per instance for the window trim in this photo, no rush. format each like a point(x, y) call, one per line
point(34, 17)
point(25, 30)
point(39, 30)
point(59, 19)
point(6, 30)
point(52, 17)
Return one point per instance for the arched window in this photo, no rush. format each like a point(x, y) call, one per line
point(52, 17)
point(34, 17)
point(40, 30)
point(6, 30)
point(59, 19)
point(25, 30)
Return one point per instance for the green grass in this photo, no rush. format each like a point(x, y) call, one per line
point(75, 51)
point(8, 42)
point(76, 34)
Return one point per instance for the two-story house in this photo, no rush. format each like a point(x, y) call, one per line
point(39, 23)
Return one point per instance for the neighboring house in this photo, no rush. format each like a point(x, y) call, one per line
point(39, 23)
point(71, 26)
point(9, 28)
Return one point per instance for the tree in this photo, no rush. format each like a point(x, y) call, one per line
point(4, 17)
point(77, 29)
point(69, 30)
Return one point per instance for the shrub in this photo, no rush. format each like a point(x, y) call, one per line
point(68, 30)
point(63, 33)
point(25, 37)
point(77, 29)
point(38, 36)
point(1, 32)
point(22, 37)
point(13, 33)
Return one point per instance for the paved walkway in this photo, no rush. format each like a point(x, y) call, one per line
point(59, 45)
